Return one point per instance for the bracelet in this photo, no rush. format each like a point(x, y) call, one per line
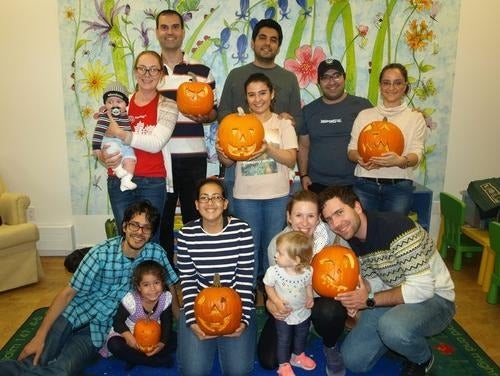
point(303, 176)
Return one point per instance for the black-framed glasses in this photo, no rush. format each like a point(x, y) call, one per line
point(334, 76)
point(153, 71)
point(216, 198)
point(134, 227)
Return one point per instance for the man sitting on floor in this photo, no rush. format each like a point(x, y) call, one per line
point(406, 293)
point(81, 315)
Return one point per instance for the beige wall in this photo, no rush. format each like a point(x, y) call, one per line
point(32, 138)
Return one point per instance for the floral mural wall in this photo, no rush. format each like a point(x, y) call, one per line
point(100, 39)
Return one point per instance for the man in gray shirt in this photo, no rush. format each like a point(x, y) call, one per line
point(326, 131)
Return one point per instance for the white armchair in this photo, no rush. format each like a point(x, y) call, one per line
point(19, 258)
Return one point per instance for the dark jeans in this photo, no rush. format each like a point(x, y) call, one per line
point(187, 173)
point(291, 337)
point(328, 317)
point(119, 348)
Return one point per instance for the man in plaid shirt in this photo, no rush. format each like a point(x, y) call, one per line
point(81, 315)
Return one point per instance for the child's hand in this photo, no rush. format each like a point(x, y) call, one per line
point(156, 349)
point(309, 302)
point(130, 339)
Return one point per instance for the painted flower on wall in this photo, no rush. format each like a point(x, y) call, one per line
point(305, 66)
point(95, 79)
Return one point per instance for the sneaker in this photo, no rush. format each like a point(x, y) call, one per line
point(414, 369)
point(285, 370)
point(303, 361)
point(334, 362)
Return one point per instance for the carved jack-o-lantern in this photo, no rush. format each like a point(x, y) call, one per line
point(218, 309)
point(240, 135)
point(335, 270)
point(380, 137)
point(195, 98)
point(147, 334)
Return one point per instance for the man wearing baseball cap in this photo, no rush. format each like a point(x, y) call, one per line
point(326, 131)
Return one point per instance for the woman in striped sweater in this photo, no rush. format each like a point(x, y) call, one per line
point(215, 243)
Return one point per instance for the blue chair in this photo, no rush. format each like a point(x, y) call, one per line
point(494, 229)
point(453, 212)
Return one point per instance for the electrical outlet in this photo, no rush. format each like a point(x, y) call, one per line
point(31, 214)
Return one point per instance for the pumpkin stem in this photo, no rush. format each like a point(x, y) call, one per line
point(216, 280)
point(193, 76)
point(240, 111)
point(384, 119)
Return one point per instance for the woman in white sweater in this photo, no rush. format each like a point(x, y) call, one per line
point(385, 183)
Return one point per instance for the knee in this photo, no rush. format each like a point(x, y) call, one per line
point(392, 332)
point(353, 360)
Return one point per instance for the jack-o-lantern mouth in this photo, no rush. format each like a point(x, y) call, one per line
point(242, 150)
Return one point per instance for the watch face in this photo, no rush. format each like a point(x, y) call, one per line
point(370, 302)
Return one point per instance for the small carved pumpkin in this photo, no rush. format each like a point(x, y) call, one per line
point(335, 270)
point(147, 334)
point(195, 98)
point(240, 135)
point(380, 137)
point(218, 309)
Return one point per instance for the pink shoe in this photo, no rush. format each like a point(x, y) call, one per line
point(285, 370)
point(303, 361)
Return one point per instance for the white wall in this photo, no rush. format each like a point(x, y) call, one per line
point(33, 141)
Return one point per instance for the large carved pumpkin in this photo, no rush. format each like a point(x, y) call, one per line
point(240, 135)
point(218, 309)
point(380, 137)
point(335, 270)
point(147, 334)
point(195, 98)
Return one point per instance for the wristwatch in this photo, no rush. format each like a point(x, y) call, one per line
point(370, 302)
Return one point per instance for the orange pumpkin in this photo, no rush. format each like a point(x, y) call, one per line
point(195, 98)
point(147, 334)
point(335, 270)
point(380, 137)
point(240, 135)
point(218, 309)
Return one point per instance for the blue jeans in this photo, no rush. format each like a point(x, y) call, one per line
point(229, 173)
point(66, 352)
point(292, 337)
point(396, 197)
point(266, 218)
point(402, 329)
point(152, 189)
point(196, 357)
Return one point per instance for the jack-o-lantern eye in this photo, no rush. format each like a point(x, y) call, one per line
point(380, 137)
point(335, 270)
point(240, 135)
point(195, 98)
point(218, 309)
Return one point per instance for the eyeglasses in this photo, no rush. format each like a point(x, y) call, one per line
point(153, 71)
point(334, 76)
point(214, 198)
point(397, 84)
point(134, 227)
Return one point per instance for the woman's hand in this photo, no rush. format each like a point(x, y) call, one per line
point(278, 314)
point(238, 332)
point(388, 159)
point(200, 333)
point(256, 154)
point(110, 160)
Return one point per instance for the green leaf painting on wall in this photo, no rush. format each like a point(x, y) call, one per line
point(100, 39)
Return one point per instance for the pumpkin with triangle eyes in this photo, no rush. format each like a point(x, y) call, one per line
point(379, 137)
point(195, 98)
point(218, 309)
point(240, 135)
point(335, 270)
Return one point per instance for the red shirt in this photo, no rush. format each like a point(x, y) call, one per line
point(143, 121)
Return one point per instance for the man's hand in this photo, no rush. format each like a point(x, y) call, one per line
point(356, 299)
point(35, 346)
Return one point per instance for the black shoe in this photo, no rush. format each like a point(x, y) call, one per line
point(414, 369)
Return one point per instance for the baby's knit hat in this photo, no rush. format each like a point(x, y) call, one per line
point(115, 89)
